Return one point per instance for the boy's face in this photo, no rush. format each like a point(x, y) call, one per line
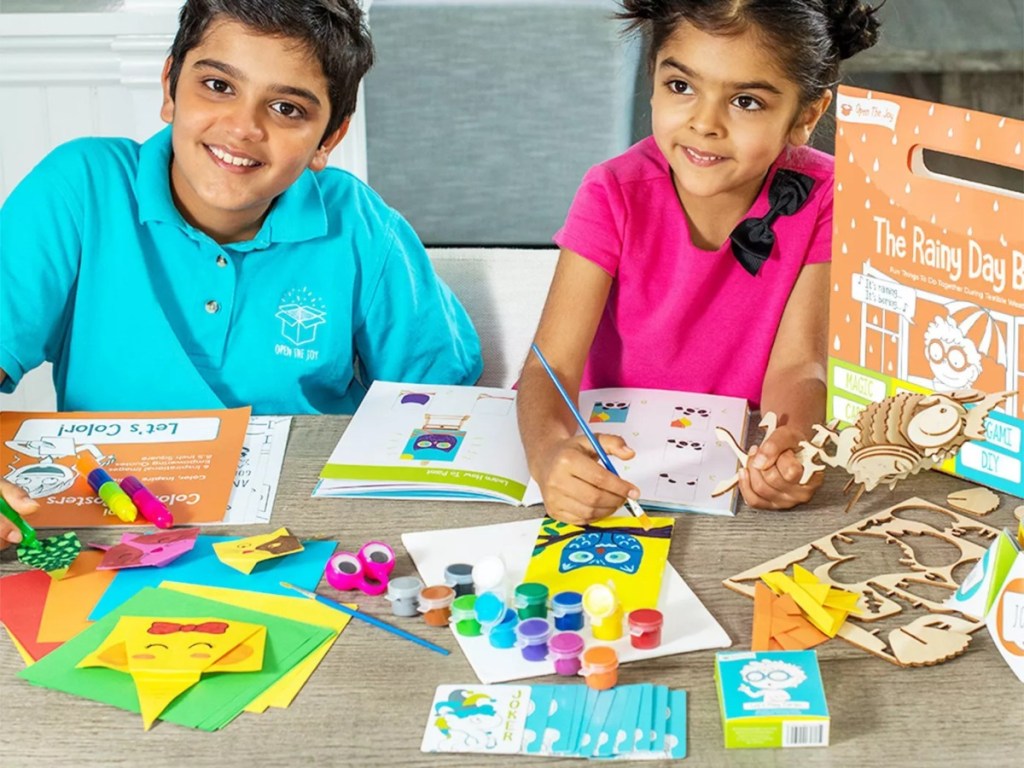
point(248, 113)
point(722, 112)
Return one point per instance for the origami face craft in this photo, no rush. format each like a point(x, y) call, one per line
point(167, 656)
point(150, 549)
point(244, 554)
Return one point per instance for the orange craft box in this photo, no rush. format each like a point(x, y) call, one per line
point(928, 269)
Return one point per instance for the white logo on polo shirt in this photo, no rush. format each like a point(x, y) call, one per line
point(301, 314)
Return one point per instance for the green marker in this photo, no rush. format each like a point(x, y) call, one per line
point(28, 533)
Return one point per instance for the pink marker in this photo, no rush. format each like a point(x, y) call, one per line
point(150, 507)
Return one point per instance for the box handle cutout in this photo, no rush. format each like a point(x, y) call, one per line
point(967, 172)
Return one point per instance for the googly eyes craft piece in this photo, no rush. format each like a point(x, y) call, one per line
point(378, 559)
point(367, 571)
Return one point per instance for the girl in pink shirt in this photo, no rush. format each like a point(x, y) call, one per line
point(698, 260)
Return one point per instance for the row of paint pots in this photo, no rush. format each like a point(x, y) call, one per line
point(442, 604)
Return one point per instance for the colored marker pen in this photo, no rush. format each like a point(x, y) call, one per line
point(28, 533)
point(117, 501)
point(150, 507)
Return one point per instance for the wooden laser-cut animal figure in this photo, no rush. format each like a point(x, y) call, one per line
point(899, 436)
point(891, 439)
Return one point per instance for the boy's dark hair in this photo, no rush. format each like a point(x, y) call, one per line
point(810, 37)
point(333, 30)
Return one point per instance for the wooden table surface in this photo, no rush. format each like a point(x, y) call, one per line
point(368, 703)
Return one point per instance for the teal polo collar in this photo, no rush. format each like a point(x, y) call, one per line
point(298, 213)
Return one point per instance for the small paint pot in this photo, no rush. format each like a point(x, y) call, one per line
point(459, 576)
point(404, 594)
point(503, 635)
point(436, 604)
point(464, 616)
point(531, 601)
point(532, 637)
point(489, 575)
point(600, 667)
point(602, 607)
point(490, 610)
point(565, 648)
point(645, 628)
point(567, 610)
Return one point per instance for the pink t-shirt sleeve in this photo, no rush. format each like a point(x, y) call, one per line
point(595, 223)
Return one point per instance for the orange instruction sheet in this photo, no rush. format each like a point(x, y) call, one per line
point(187, 459)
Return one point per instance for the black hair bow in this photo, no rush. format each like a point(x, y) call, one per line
point(753, 239)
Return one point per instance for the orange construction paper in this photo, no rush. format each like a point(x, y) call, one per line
point(70, 600)
point(780, 625)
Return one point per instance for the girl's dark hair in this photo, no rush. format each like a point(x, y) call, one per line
point(810, 36)
point(333, 30)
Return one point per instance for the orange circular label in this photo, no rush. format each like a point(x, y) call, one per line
point(1016, 587)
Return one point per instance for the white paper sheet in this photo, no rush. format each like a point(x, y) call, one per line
point(259, 470)
point(689, 626)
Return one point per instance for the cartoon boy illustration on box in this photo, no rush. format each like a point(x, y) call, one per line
point(770, 679)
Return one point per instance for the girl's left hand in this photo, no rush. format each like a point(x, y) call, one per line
point(771, 479)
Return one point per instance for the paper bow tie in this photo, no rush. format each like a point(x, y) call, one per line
point(169, 627)
point(753, 239)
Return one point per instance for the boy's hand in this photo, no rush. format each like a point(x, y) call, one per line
point(577, 489)
point(771, 479)
point(22, 504)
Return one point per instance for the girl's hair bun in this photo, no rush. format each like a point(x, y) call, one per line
point(854, 26)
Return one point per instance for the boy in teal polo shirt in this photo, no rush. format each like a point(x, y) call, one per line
point(220, 263)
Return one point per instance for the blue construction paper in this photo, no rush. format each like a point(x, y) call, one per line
point(201, 566)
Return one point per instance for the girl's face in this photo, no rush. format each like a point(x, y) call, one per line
point(722, 112)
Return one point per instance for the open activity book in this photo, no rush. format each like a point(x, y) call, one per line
point(448, 442)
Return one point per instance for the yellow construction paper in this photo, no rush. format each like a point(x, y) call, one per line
point(825, 606)
point(283, 692)
point(29, 661)
point(245, 554)
point(167, 656)
point(157, 691)
point(616, 550)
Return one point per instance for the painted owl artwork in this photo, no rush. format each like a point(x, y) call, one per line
point(433, 445)
point(615, 550)
point(621, 552)
point(609, 413)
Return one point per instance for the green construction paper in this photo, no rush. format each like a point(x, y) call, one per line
point(216, 699)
